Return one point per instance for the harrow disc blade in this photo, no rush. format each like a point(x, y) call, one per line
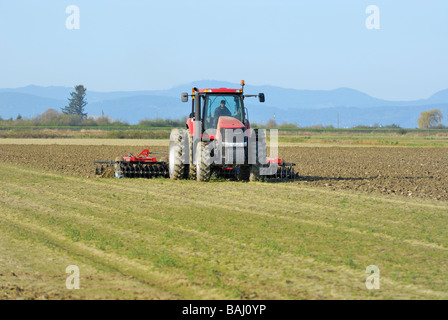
point(283, 173)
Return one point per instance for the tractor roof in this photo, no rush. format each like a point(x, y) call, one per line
point(220, 90)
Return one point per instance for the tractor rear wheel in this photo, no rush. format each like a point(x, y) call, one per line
point(192, 172)
point(176, 157)
point(244, 173)
point(254, 173)
point(203, 162)
point(260, 152)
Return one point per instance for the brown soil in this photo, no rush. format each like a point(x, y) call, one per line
point(68, 159)
point(411, 172)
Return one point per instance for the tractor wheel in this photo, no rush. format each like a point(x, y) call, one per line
point(192, 167)
point(260, 151)
point(176, 162)
point(203, 162)
point(254, 173)
point(192, 172)
point(244, 174)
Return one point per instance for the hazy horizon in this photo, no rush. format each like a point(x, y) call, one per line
point(235, 84)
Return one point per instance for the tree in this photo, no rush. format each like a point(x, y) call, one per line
point(77, 102)
point(50, 114)
point(271, 123)
point(429, 119)
point(50, 117)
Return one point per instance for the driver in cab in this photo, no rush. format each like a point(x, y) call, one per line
point(221, 111)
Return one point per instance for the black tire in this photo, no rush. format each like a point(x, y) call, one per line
point(254, 173)
point(192, 167)
point(204, 162)
point(177, 164)
point(244, 173)
point(260, 150)
point(192, 172)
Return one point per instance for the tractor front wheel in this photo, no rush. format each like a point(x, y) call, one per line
point(192, 172)
point(259, 149)
point(203, 162)
point(176, 157)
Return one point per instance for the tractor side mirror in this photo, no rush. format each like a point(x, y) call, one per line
point(184, 97)
point(261, 97)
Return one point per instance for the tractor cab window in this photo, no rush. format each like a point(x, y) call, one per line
point(221, 105)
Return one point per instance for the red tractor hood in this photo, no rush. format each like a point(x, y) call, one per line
point(229, 123)
point(225, 122)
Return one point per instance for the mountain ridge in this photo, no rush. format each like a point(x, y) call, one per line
point(306, 107)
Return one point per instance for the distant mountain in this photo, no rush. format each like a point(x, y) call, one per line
point(406, 116)
point(46, 92)
point(28, 105)
point(439, 97)
point(63, 93)
point(304, 107)
point(139, 107)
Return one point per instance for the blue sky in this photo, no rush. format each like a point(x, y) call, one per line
point(144, 45)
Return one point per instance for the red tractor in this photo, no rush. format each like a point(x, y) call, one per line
point(218, 140)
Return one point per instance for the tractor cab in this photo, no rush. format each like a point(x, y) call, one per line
point(218, 108)
point(222, 105)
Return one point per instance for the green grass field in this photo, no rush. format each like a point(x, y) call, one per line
point(163, 239)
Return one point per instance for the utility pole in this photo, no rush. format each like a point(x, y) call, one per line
point(338, 120)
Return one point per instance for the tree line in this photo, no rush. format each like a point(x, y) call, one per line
point(55, 118)
point(74, 114)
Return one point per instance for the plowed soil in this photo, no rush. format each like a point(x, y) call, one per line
point(411, 172)
point(420, 172)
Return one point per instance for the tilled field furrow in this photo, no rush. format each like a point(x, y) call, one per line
point(415, 172)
